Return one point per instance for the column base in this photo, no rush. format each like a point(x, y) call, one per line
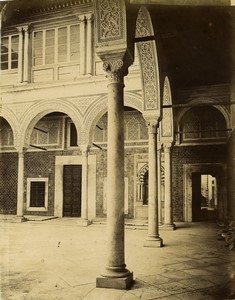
point(122, 283)
point(168, 226)
point(153, 242)
point(83, 222)
point(20, 219)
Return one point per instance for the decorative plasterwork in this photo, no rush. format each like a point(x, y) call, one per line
point(83, 103)
point(110, 17)
point(167, 114)
point(148, 62)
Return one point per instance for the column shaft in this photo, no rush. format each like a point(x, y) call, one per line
point(84, 182)
point(159, 186)
point(115, 177)
point(153, 239)
point(168, 222)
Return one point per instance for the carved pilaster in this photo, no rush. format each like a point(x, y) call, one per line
point(82, 20)
point(89, 57)
point(20, 57)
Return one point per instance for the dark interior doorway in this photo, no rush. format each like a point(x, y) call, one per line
point(204, 197)
point(72, 190)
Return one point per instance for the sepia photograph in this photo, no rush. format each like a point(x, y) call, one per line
point(117, 150)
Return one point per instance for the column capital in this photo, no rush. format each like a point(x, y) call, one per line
point(90, 17)
point(167, 147)
point(20, 29)
point(152, 122)
point(116, 69)
point(25, 28)
point(21, 151)
point(81, 18)
point(85, 149)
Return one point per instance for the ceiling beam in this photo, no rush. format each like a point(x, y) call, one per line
point(186, 2)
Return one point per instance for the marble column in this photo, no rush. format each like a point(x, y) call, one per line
point(89, 52)
point(20, 185)
point(85, 150)
point(115, 274)
point(82, 45)
point(26, 30)
point(153, 238)
point(168, 216)
point(20, 56)
point(159, 151)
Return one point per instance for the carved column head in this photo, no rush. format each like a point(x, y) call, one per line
point(152, 122)
point(84, 149)
point(116, 70)
point(167, 147)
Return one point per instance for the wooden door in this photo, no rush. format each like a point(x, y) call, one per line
point(72, 190)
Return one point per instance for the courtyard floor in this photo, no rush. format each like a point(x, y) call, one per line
point(58, 259)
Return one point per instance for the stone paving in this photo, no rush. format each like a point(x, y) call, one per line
point(58, 259)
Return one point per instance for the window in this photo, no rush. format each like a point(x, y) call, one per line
point(202, 123)
point(9, 52)
point(37, 194)
point(47, 132)
point(58, 45)
point(72, 134)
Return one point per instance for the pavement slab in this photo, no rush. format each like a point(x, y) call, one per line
point(58, 259)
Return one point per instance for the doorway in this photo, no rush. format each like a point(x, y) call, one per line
point(205, 192)
point(204, 197)
point(72, 190)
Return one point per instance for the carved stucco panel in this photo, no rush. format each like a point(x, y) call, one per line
point(110, 20)
point(166, 128)
point(143, 27)
point(148, 61)
point(19, 109)
point(84, 103)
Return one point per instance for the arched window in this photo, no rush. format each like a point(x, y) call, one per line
point(202, 123)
